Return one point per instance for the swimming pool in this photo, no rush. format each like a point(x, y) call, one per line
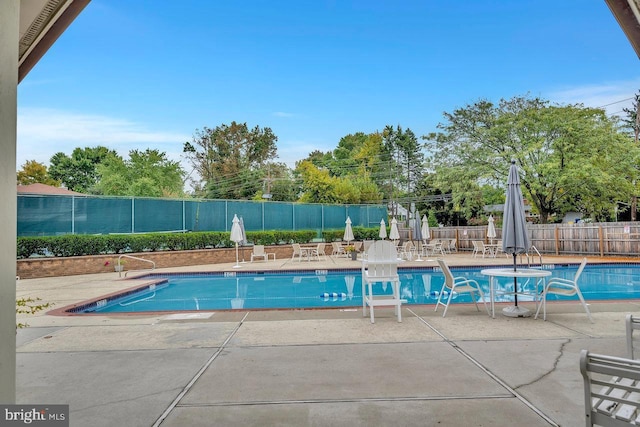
point(334, 289)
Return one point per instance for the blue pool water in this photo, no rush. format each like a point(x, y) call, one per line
point(330, 289)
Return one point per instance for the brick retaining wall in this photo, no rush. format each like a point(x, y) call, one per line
point(51, 267)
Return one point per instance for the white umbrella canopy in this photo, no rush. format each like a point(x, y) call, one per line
point(236, 235)
point(383, 230)
point(348, 232)
point(515, 239)
point(394, 234)
point(426, 234)
point(491, 229)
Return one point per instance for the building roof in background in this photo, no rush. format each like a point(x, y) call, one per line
point(45, 189)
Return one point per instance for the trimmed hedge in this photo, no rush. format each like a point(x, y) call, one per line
point(82, 244)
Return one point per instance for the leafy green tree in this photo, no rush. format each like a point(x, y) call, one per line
point(78, 172)
point(34, 172)
point(147, 173)
point(229, 159)
point(279, 182)
point(569, 156)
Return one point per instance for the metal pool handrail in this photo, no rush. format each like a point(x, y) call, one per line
point(153, 264)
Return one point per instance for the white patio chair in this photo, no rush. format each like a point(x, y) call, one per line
point(318, 252)
point(338, 249)
point(632, 323)
point(458, 285)
point(452, 246)
point(564, 287)
point(381, 266)
point(298, 252)
point(258, 252)
point(408, 250)
point(434, 247)
point(479, 247)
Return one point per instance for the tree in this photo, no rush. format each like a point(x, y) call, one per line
point(569, 157)
point(147, 173)
point(632, 122)
point(79, 172)
point(33, 172)
point(229, 159)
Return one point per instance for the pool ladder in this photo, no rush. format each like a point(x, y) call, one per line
point(153, 264)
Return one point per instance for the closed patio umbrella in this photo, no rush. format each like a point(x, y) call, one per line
point(348, 232)
point(236, 235)
point(244, 238)
point(426, 233)
point(394, 234)
point(383, 230)
point(416, 231)
point(515, 239)
point(491, 229)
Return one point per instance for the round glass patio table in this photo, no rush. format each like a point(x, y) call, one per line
point(536, 273)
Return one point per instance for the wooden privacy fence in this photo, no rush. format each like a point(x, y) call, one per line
point(610, 238)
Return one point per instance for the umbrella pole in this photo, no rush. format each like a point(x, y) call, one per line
point(237, 265)
point(515, 282)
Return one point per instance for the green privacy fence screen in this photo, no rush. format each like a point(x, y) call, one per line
point(45, 215)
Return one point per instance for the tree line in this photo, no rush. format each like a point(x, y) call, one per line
point(570, 157)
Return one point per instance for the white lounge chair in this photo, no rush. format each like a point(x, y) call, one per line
point(258, 252)
point(564, 287)
point(458, 285)
point(381, 266)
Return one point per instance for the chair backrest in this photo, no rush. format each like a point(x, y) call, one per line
point(357, 246)
point(448, 277)
point(296, 248)
point(336, 246)
point(258, 249)
point(366, 245)
point(382, 260)
point(579, 272)
point(452, 243)
point(320, 249)
point(408, 245)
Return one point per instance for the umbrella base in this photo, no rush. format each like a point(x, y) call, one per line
point(516, 311)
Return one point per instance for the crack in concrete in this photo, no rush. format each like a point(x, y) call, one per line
point(550, 371)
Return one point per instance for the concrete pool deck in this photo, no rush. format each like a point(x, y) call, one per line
point(310, 367)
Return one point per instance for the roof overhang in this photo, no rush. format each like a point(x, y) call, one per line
point(41, 23)
point(627, 13)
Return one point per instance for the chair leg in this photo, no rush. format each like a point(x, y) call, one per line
point(584, 304)
point(371, 304)
point(364, 299)
point(448, 301)
point(438, 302)
point(396, 293)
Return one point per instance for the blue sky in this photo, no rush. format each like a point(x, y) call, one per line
point(146, 74)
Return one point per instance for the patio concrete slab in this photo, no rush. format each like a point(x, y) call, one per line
point(338, 372)
point(333, 331)
point(106, 388)
point(132, 337)
point(496, 412)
